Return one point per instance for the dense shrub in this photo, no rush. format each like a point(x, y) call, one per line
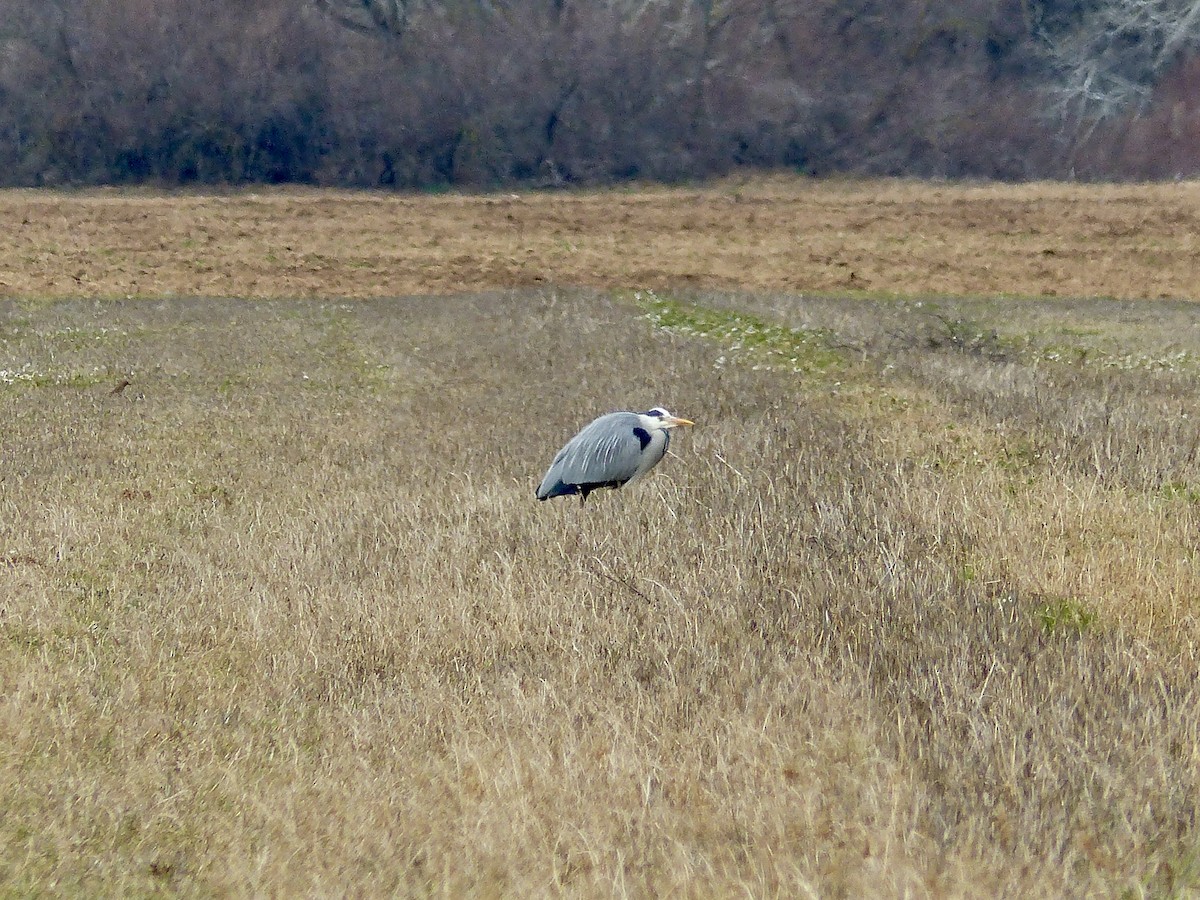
point(205, 91)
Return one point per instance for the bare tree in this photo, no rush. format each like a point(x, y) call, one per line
point(39, 28)
point(489, 92)
point(1108, 61)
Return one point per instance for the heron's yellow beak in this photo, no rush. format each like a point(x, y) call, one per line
point(675, 420)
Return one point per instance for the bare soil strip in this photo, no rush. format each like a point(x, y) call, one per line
point(876, 238)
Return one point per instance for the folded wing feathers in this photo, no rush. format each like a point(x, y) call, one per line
point(614, 457)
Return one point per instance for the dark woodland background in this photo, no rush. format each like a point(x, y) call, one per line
point(371, 93)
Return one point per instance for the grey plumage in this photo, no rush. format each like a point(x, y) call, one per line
point(609, 452)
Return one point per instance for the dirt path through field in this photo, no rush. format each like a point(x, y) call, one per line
point(765, 234)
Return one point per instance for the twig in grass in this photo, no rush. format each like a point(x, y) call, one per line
point(615, 579)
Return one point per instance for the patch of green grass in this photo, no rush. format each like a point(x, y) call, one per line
point(1019, 455)
point(1156, 361)
point(1176, 877)
point(27, 377)
point(1062, 615)
point(1080, 331)
point(1180, 490)
point(24, 640)
point(230, 385)
point(91, 598)
point(745, 337)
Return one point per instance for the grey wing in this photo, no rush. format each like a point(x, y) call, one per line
point(606, 452)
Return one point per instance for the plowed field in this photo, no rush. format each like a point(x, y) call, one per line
point(780, 234)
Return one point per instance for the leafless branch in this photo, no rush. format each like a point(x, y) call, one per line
point(1110, 61)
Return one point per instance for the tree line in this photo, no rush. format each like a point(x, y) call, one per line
point(371, 93)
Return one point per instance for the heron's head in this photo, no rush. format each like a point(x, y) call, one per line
point(661, 419)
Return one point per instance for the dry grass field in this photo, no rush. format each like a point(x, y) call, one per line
point(911, 612)
point(868, 239)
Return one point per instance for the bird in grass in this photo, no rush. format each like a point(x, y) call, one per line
point(610, 452)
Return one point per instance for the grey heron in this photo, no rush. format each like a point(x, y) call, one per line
point(610, 452)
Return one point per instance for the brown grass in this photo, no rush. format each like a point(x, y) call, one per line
point(783, 234)
point(282, 616)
